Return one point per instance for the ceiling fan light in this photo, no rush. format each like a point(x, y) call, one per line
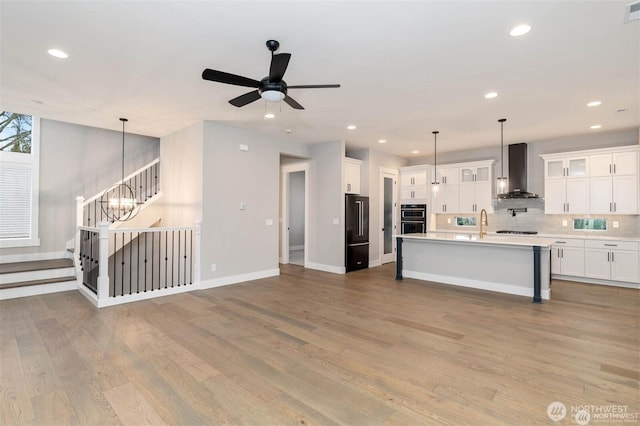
point(272, 95)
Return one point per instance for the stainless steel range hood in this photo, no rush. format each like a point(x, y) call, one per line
point(518, 173)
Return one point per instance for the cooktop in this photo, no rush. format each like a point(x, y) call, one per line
point(507, 231)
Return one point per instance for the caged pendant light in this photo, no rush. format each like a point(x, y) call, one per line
point(435, 184)
point(502, 183)
point(119, 201)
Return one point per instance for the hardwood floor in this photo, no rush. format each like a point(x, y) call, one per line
point(309, 347)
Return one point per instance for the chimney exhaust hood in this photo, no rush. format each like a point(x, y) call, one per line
point(517, 174)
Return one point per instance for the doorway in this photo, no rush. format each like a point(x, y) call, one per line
point(388, 207)
point(294, 217)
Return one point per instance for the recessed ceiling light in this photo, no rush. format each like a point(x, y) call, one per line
point(415, 151)
point(58, 53)
point(594, 103)
point(491, 95)
point(288, 130)
point(351, 127)
point(269, 116)
point(37, 101)
point(596, 126)
point(519, 30)
point(382, 141)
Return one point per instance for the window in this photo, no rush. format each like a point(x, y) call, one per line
point(19, 137)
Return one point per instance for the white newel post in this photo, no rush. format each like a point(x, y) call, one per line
point(103, 265)
point(76, 253)
point(196, 255)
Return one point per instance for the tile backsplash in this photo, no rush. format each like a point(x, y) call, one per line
point(535, 220)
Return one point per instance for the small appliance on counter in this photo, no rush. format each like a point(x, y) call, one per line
point(356, 232)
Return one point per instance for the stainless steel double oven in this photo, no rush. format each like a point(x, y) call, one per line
point(413, 218)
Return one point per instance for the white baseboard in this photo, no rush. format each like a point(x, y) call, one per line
point(119, 300)
point(34, 290)
point(234, 279)
point(326, 268)
point(482, 285)
point(596, 281)
point(374, 263)
point(10, 258)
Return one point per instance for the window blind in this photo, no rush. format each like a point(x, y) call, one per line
point(15, 200)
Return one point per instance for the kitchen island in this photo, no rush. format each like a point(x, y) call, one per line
point(514, 265)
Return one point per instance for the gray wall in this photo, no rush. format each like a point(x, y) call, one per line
point(535, 165)
point(296, 209)
point(326, 239)
point(239, 241)
point(79, 160)
point(182, 161)
point(370, 186)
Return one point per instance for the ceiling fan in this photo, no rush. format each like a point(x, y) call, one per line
point(271, 88)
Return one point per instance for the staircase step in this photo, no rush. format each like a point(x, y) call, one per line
point(35, 270)
point(37, 282)
point(35, 265)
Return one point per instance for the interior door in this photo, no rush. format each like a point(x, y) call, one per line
point(388, 216)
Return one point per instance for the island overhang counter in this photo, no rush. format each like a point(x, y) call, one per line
point(514, 265)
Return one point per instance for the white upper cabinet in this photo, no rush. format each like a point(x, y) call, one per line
point(475, 187)
point(414, 185)
point(602, 181)
point(351, 175)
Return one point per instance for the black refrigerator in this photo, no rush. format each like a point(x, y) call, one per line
point(356, 232)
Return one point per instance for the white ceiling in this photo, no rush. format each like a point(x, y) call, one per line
point(406, 68)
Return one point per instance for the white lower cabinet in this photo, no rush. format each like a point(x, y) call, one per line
point(567, 257)
point(611, 260)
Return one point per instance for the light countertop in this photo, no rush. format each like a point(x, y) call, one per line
point(474, 238)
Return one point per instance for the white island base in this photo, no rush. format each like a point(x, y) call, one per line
point(495, 263)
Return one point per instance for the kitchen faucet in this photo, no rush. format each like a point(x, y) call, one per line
point(483, 222)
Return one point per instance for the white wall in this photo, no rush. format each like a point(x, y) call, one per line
point(78, 160)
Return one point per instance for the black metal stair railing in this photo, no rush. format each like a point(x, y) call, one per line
point(145, 183)
point(89, 258)
point(150, 260)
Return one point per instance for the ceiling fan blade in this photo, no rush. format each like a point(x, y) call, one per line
point(292, 103)
point(314, 86)
point(245, 99)
point(279, 65)
point(225, 77)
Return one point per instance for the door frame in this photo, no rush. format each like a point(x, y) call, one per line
point(284, 209)
point(386, 172)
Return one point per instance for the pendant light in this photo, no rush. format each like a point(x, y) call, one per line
point(119, 201)
point(502, 183)
point(435, 184)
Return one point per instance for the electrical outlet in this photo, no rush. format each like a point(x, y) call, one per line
point(616, 224)
point(336, 221)
point(243, 205)
point(268, 222)
point(564, 223)
point(214, 267)
point(449, 220)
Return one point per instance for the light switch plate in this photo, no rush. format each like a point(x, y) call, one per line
point(616, 224)
point(244, 147)
point(214, 267)
point(268, 222)
point(243, 205)
point(336, 221)
point(564, 223)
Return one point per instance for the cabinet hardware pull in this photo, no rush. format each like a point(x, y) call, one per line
point(612, 256)
point(615, 207)
point(561, 242)
point(611, 245)
point(614, 169)
point(608, 256)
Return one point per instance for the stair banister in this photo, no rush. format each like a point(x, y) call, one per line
point(103, 265)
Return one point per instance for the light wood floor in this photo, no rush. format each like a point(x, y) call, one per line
point(315, 348)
